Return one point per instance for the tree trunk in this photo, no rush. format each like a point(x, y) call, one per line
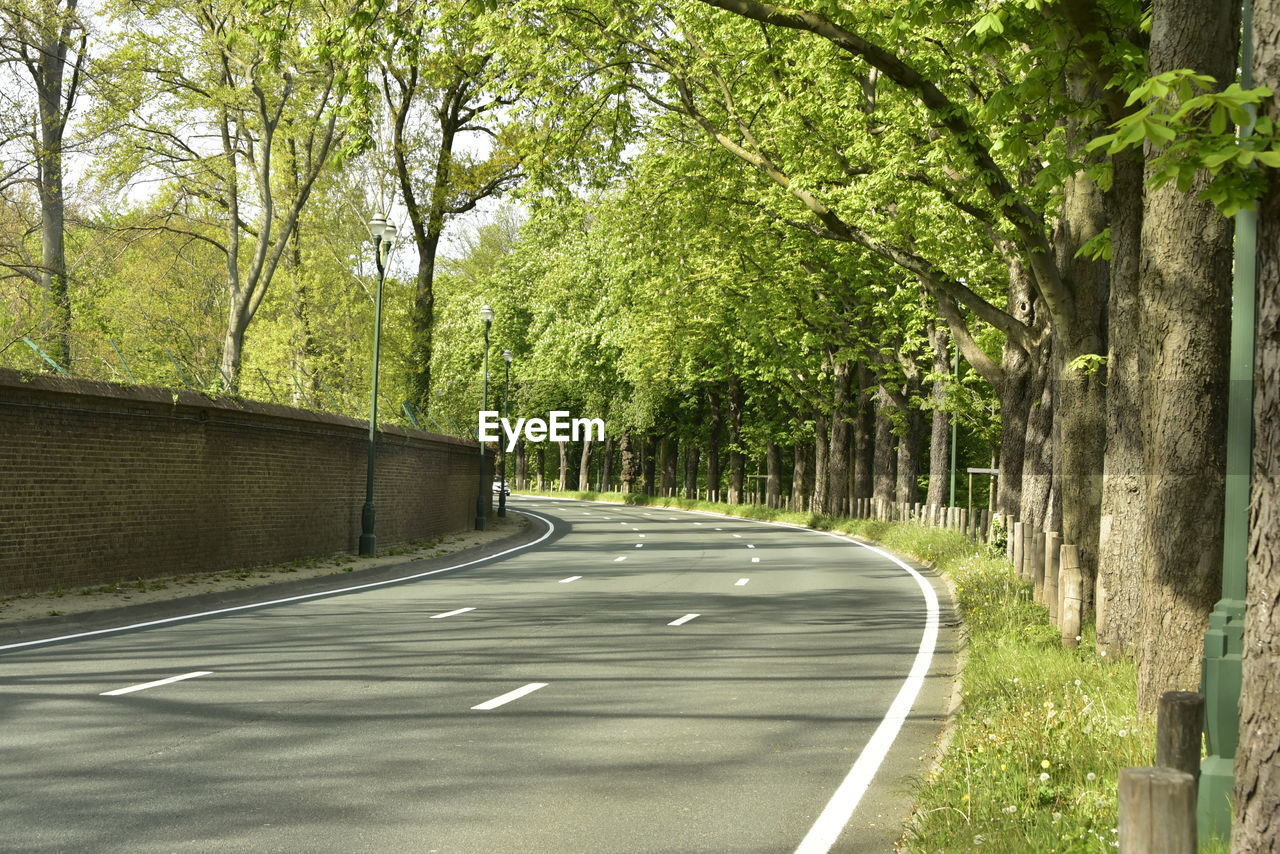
point(1118, 590)
point(885, 462)
point(649, 467)
point(606, 466)
point(542, 467)
point(691, 454)
point(667, 458)
point(522, 465)
point(713, 447)
point(837, 497)
point(801, 486)
point(1185, 303)
point(629, 466)
point(773, 475)
point(737, 459)
point(1036, 505)
point(907, 490)
point(1257, 769)
point(821, 463)
point(584, 467)
point(940, 424)
point(864, 444)
point(563, 481)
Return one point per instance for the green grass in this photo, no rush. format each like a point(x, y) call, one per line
point(1042, 731)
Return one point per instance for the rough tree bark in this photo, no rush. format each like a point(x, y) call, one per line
point(606, 465)
point(864, 432)
point(885, 461)
point(1257, 770)
point(1117, 593)
point(940, 424)
point(691, 454)
point(584, 467)
point(737, 459)
point(714, 421)
point(667, 462)
point(562, 482)
point(801, 485)
point(773, 475)
point(837, 493)
point(625, 447)
point(1185, 304)
point(821, 462)
point(648, 466)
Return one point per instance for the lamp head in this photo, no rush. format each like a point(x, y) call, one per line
point(389, 233)
point(506, 354)
point(486, 314)
point(377, 225)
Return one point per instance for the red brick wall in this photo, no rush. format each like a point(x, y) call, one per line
point(101, 482)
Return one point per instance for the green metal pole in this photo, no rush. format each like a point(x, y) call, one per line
point(368, 539)
point(955, 371)
point(502, 446)
point(481, 502)
point(1223, 641)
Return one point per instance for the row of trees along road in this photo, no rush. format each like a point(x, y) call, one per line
point(747, 233)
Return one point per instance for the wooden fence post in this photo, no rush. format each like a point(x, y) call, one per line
point(1015, 535)
point(1179, 723)
point(1157, 811)
point(1072, 595)
point(1009, 539)
point(1037, 565)
point(1052, 545)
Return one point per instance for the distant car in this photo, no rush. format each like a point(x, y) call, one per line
point(500, 489)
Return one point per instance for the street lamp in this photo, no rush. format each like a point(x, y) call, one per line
point(486, 314)
point(502, 446)
point(384, 235)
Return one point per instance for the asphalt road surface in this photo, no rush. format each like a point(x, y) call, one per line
point(635, 680)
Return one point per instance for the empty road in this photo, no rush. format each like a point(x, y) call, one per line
point(636, 680)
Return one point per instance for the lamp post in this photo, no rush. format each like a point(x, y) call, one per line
point(486, 314)
point(384, 235)
point(502, 446)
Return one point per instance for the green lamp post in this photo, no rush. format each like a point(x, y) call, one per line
point(482, 503)
point(384, 235)
point(502, 447)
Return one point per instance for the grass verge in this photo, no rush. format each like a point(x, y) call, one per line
point(1042, 732)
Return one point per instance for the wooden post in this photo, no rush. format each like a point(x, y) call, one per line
point(964, 521)
point(1052, 545)
point(1036, 548)
point(1015, 536)
point(1072, 595)
point(1009, 539)
point(1157, 811)
point(1179, 723)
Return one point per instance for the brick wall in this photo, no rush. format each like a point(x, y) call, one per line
point(101, 482)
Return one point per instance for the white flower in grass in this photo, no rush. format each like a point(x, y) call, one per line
point(1044, 777)
point(1091, 776)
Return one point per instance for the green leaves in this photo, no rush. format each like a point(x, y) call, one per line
point(1190, 129)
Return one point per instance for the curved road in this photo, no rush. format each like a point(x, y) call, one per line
point(637, 680)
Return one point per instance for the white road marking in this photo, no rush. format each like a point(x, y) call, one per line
point(755, 560)
point(619, 559)
point(451, 613)
point(509, 696)
point(639, 545)
point(739, 536)
point(686, 618)
point(697, 523)
point(551, 529)
point(635, 529)
point(741, 582)
point(145, 685)
point(719, 529)
point(570, 578)
point(642, 536)
point(750, 546)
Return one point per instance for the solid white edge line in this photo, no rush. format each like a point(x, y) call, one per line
point(509, 696)
point(145, 685)
point(741, 582)
point(570, 578)
point(839, 809)
point(551, 528)
point(619, 559)
point(451, 613)
point(686, 618)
